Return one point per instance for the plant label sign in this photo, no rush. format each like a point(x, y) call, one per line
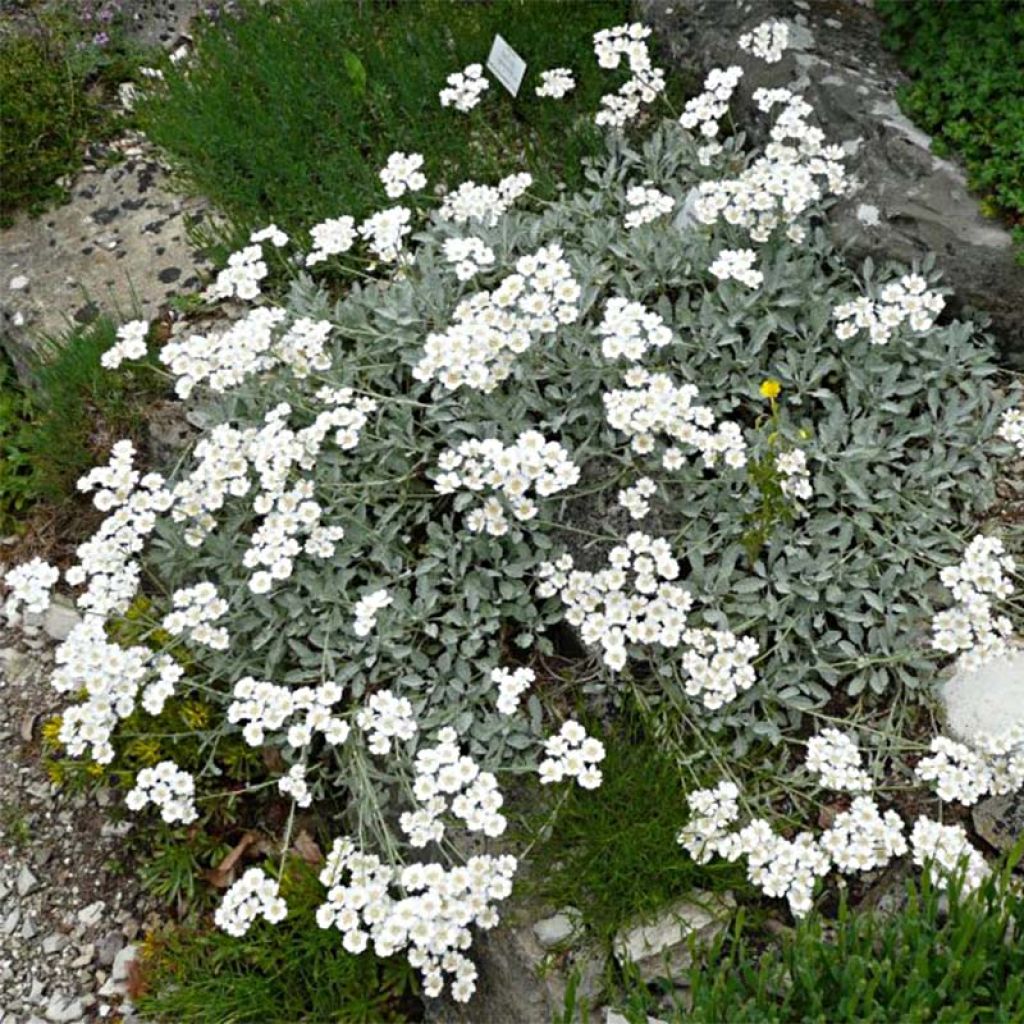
point(506, 65)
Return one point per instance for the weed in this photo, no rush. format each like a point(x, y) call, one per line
point(281, 974)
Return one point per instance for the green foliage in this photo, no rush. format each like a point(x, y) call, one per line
point(924, 963)
point(612, 852)
point(288, 112)
point(57, 91)
point(290, 973)
point(967, 65)
point(66, 420)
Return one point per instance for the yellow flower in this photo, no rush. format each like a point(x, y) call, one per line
point(770, 389)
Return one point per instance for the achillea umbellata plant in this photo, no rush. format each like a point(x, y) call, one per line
point(661, 410)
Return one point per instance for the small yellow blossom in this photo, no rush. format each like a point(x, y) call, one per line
point(770, 389)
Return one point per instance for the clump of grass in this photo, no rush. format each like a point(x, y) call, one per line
point(66, 418)
point(612, 852)
point(276, 974)
point(943, 957)
point(58, 89)
point(289, 110)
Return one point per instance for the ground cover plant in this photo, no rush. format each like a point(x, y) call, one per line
point(651, 444)
point(60, 66)
point(62, 421)
point(973, 108)
point(268, 134)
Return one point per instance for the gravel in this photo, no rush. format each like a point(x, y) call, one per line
point(69, 905)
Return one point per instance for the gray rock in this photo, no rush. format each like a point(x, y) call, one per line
point(614, 1017)
point(558, 929)
point(60, 619)
point(64, 1010)
point(122, 964)
point(92, 914)
point(906, 201)
point(986, 701)
point(27, 882)
point(661, 948)
point(999, 820)
point(108, 948)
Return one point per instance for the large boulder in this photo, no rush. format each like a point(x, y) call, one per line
point(906, 201)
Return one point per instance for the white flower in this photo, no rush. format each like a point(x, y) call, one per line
point(1011, 428)
point(573, 754)
point(130, 344)
point(767, 41)
point(30, 583)
point(835, 757)
point(464, 88)
point(402, 174)
point(739, 265)
point(556, 83)
point(167, 787)
point(253, 895)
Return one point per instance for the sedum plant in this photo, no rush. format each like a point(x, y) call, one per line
point(657, 427)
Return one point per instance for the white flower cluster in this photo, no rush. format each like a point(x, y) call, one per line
point(530, 462)
point(465, 88)
point(737, 264)
point(512, 684)
point(194, 609)
point(636, 498)
point(780, 185)
point(167, 787)
point(385, 718)
point(331, 238)
point(130, 344)
point(556, 83)
point(994, 765)
point(30, 583)
point(470, 255)
point(718, 665)
point(109, 674)
point(1011, 428)
point(905, 300)
point(862, 838)
point(160, 690)
point(367, 608)
point(272, 234)
point(610, 609)
point(265, 707)
point(484, 204)
point(944, 850)
point(294, 784)
point(647, 204)
point(572, 754)
point(490, 328)
point(971, 628)
point(768, 41)
point(794, 477)
point(385, 232)
point(704, 111)
point(106, 562)
point(402, 174)
point(859, 840)
point(629, 330)
point(652, 404)
point(645, 81)
point(253, 895)
point(712, 813)
point(447, 780)
point(432, 920)
point(241, 277)
point(836, 758)
point(223, 359)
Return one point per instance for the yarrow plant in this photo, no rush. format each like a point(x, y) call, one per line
point(405, 481)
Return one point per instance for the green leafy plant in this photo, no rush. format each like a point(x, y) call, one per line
point(944, 956)
point(974, 107)
point(290, 973)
